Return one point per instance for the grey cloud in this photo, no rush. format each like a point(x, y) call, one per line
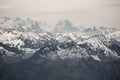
point(112, 3)
point(115, 5)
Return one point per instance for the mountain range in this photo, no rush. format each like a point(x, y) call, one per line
point(25, 46)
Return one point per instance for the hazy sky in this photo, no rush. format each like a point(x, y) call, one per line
point(84, 12)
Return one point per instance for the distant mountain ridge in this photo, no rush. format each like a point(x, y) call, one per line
point(68, 52)
point(57, 26)
point(27, 36)
point(22, 25)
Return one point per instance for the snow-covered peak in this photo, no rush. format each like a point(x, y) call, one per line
point(4, 19)
point(64, 26)
point(19, 24)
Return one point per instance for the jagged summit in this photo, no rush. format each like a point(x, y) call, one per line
point(65, 26)
point(22, 25)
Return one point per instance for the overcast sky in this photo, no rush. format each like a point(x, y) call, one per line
point(83, 12)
